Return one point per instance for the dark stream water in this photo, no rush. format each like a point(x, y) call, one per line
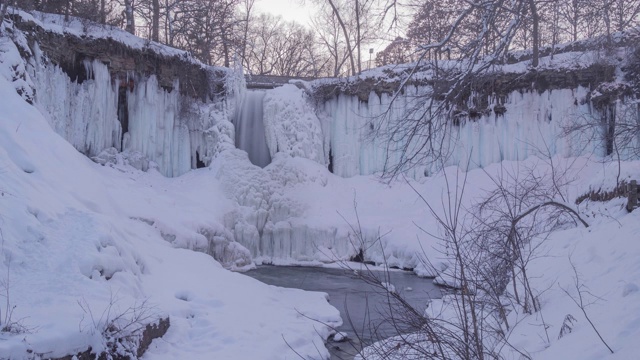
point(361, 305)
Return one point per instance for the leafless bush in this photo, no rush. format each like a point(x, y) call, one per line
point(580, 301)
point(488, 246)
point(8, 323)
point(121, 328)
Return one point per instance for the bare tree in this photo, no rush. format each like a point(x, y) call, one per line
point(328, 31)
point(487, 244)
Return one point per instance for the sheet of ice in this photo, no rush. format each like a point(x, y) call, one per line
point(357, 132)
point(156, 129)
point(250, 128)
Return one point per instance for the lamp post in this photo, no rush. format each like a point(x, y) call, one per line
point(370, 55)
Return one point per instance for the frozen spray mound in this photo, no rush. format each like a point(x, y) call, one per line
point(291, 124)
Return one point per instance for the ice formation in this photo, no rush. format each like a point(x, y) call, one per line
point(291, 124)
point(154, 126)
point(132, 120)
point(84, 114)
point(532, 123)
point(250, 132)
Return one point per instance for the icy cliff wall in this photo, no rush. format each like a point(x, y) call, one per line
point(533, 123)
point(510, 114)
point(106, 92)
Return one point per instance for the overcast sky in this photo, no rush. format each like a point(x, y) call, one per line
point(292, 10)
point(289, 9)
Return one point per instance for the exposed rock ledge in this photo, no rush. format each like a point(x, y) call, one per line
point(507, 77)
point(68, 51)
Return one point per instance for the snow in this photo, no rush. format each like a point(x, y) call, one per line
point(604, 255)
point(340, 336)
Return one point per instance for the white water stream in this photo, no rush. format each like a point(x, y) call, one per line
point(249, 126)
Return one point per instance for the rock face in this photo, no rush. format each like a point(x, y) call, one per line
point(107, 90)
point(68, 51)
point(506, 77)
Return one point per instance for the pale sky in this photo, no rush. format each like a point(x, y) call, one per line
point(291, 10)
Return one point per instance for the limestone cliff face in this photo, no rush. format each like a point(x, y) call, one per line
point(121, 99)
point(68, 50)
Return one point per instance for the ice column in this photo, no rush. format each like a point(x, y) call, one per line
point(249, 124)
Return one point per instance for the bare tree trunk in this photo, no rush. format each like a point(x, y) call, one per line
point(535, 32)
point(155, 21)
point(103, 11)
point(346, 35)
point(225, 48)
point(67, 10)
point(248, 7)
point(358, 36)
point(168, 27)
point(130, 21)
point(606, 9)
point(5, 5)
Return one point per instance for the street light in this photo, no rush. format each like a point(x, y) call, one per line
point(370, 55)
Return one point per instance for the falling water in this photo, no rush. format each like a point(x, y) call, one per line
point(250, 135)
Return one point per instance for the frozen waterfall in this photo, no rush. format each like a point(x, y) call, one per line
point(250, 135)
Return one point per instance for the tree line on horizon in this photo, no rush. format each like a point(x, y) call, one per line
point(337, 42)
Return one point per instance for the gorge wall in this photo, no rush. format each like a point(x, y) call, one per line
point(109, 92)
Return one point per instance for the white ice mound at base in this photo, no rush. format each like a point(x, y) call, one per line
point(267, 221)
point(295, 211)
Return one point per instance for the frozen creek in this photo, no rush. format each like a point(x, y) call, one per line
point(358, 302)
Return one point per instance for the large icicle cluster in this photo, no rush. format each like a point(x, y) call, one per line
point(164, 129)
point(270, 223)
point(84, 114)
point(155, 128)
point(529, 124)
